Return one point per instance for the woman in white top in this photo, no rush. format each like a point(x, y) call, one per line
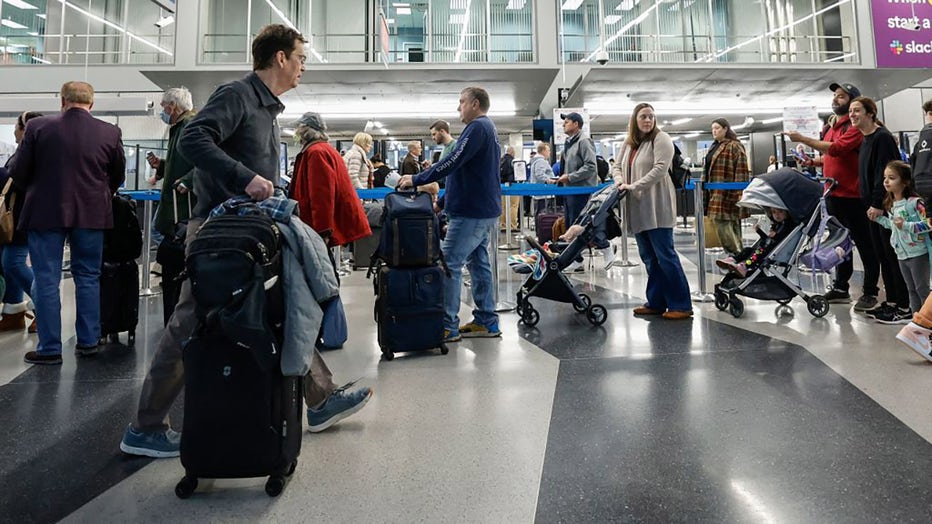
point(650, 213)
point(357, 161)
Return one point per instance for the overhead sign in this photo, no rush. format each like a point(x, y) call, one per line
point(168, 5)
point(559, 137)
point(903, 32)
point(803, 119)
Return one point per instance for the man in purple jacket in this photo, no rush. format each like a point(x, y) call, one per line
point(70, 164)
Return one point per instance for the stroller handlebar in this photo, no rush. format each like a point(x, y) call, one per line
point(828, 183)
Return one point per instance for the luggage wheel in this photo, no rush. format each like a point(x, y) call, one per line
point(444, 349)
point(388, 355)
point(131, 338)
point(186, 487)
point(294, 466)
point(275, 485)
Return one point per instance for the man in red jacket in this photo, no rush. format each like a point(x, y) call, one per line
point(839, 146)
point(68, 196)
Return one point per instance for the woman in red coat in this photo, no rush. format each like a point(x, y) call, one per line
point(327, 200)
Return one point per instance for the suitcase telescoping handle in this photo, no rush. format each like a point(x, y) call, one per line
point(175, 204)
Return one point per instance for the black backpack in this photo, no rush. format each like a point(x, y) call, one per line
point(234, 264)
point(410, 235)
point(601, 167)
point(123, 243)
point(679, 173)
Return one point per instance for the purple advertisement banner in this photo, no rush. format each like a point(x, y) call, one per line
point(903, 32)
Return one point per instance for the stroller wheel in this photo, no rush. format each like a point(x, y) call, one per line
point(785, 302)
point(721, 300)
point(817, 306)
point(530, 316)
point(736, 308)
point(597, 315)
point(586, 302)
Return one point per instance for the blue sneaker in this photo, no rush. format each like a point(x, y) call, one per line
point(150, 444)
point(450, 337)
point(339, 405)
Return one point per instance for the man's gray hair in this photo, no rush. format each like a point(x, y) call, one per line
point(180, 96)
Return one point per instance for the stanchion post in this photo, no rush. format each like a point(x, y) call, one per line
point(509, 242)
point(146, 251)
point(702, 295)
point(624, 262)
point(501, 306)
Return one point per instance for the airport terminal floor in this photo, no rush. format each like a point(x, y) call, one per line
point(761, 419)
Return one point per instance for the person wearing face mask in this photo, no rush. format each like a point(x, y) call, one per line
point(840, 145)
point(19, 276)
point(173, 170)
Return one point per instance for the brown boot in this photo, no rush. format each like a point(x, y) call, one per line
point(33, 326)
point(13, 321)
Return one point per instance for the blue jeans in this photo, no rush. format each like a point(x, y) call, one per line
point(667, 287)
point(45, 250)
point(18, 275)
point(467, 243)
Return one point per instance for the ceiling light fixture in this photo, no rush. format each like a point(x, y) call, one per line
point(571, 5)
point(288, 22)
point(20, 4)
point(12, 25)
point(515, 5)
point(640, 18)
point(612, 19)
point(402, 10)
point(681, 121)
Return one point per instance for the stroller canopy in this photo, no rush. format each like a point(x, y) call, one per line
point(785, 188)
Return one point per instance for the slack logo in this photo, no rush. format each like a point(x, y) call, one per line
point(896, 47)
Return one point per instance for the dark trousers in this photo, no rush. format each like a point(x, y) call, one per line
point(893, 283)
point(574, 206)
point(852, 213)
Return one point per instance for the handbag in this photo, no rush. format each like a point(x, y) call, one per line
point(7, 224)
point(333, 330)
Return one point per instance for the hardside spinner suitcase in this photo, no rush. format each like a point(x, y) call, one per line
point(409, 309)
point(119, 300)
point(170, 256)
point(543, 223)
point(240, 420)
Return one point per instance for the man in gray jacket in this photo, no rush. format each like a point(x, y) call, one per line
point(579, 165)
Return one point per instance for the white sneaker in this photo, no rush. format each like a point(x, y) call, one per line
point(575, 267)
point(608, 256)
point(917, 338)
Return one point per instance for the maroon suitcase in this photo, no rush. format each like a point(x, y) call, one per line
point(543, 224)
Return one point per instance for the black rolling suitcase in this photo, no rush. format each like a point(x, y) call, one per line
point(409, 309)
point(119, 273)
point(119, 301)
point(240, 420)
point(242, 417)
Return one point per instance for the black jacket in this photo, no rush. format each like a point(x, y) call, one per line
point(507, 169)
point(877, 150)
point(921, 162)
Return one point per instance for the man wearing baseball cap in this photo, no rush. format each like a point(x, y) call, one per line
point(578, 163)
point(839, 146)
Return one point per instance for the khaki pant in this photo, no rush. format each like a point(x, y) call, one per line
point(166, 373)
point(515, 203)
point(729, 233)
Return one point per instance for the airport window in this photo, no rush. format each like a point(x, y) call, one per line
point(708, 31)
point(87, 32)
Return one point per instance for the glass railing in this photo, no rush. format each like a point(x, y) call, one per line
point(707, 49)
point(514, 48)
point(80, 49)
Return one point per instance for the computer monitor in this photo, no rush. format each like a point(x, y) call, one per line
point(543, 129)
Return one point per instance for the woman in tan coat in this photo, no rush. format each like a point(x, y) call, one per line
point(650, 213)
